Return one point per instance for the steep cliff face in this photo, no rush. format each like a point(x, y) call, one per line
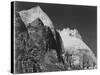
point(77, 50)
point(41, 48)
point(30, 47)
point(36, 48)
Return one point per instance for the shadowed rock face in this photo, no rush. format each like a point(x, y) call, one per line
point(37, 48)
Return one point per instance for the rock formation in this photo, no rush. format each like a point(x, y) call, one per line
point(41, 48)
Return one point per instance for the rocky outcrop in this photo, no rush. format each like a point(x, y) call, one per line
point(78, 53)
point(36, 48)
point(42, 48)
point(28, 16)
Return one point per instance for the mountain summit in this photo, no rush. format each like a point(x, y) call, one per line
point(32, 14)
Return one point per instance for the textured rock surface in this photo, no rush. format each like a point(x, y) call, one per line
point(38, 51)
point(28, 16)
point(80, 54)
point(32, 53)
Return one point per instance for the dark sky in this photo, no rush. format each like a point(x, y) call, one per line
point(83, 18)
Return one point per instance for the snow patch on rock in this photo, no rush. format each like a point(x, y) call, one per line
point(28, 16)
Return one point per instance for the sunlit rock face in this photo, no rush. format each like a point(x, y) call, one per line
point(28, 16)
point(41, 48)
point(77, 49)
point(71, 38)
